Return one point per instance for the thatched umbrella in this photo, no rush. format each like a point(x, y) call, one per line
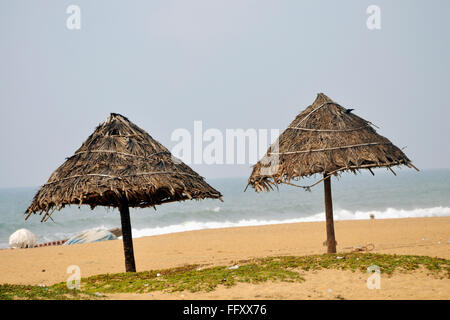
point(325, 138)
point(120, 165)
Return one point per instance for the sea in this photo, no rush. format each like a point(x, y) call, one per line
point(410, 194)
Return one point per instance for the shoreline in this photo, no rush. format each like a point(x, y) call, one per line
point(223, 246)
point(283, 222)
point(237, 225)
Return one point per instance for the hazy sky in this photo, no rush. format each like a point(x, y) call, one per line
point(230, 63)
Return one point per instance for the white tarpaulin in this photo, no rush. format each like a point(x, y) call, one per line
point(93, 235)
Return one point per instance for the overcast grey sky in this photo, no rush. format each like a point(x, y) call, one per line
point(230, 63)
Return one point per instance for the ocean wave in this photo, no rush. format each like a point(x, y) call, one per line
point(224, 220)
point(389, 213)
point(215, 209)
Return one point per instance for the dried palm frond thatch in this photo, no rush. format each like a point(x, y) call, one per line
point(120, 159)
point(120, 165)
point(324, 138)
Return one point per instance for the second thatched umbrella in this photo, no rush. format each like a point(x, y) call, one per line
point(325, 138)
point(120, 165)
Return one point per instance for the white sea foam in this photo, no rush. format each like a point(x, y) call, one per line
point(214, 209)
point(389, 213)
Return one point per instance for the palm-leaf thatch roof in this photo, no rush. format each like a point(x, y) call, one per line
point(324, 138)
point(120, 160)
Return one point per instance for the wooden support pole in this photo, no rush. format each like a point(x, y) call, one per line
point(331, 241)
point(130, 265)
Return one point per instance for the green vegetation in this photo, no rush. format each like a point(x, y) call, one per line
point(196, 278)
point(57, 292)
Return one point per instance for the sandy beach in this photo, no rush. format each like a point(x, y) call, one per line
point(411, 236)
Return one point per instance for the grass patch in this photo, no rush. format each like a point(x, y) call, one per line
point(194, 278)
point(13, 291)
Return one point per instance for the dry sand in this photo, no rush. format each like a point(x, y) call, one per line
point(418, 236)
point(323, 284)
